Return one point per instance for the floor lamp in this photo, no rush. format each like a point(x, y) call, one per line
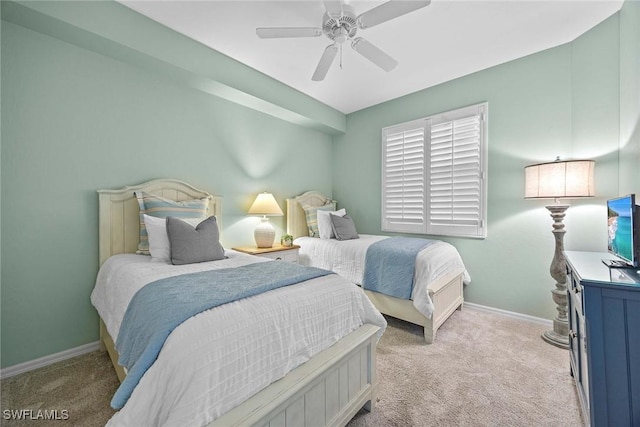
point(562, 179)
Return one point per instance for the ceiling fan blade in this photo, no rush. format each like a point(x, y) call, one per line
point(373, 54)
point(389, 10)
point(285, 32)
point(325, 62)
point(334, 7)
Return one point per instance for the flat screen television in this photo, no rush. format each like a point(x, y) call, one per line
point(622, 221)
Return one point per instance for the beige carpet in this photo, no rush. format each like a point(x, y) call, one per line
point(483, 370)
point(82, 386)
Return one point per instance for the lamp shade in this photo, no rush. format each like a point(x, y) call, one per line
point(560, 179)
point(265, 204)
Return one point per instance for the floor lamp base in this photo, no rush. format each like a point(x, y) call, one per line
point(559, 336)
point(552, 337)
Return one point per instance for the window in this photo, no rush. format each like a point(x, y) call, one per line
point(434, 174)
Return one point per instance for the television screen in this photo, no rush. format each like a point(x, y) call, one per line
point(620, 213)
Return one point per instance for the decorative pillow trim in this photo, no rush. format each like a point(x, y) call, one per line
point(161, 207)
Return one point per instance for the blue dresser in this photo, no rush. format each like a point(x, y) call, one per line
point(604, 339)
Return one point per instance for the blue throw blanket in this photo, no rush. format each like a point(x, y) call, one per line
point(161, 306)
point(390, 264)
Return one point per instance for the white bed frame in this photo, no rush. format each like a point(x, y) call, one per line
point(329, 389)
point(446, 293)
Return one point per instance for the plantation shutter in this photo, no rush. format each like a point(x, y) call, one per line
point(434, 174)
point(456, 201)
point(403, 177)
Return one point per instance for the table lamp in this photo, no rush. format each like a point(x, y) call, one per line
point(562, 179)
point(265, 205)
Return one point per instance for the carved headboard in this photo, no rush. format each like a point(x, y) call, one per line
point(119, 214)
point(296, 217)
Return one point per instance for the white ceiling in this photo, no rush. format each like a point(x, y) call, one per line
point(443, 41)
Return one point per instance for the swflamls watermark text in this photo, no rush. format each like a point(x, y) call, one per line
point(35, 414)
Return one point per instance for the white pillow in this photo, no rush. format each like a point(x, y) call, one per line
point(324, 223)
point(159, 246)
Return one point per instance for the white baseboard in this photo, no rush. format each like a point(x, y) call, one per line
point(88, 348)
point(48, 360)
point(520, 316)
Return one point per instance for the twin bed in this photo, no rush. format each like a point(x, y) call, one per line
point(298, 355)
point(302, 354)
point(439, 270)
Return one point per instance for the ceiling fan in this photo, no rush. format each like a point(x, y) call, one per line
point(340, 24)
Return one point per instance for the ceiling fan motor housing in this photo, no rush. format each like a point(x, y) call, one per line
point(342, 27)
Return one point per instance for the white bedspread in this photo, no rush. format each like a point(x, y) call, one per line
point(347, 258)
point(221, 357)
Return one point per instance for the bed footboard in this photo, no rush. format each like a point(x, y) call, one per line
point(328, 390)
point(446, 298)
point(446, 294)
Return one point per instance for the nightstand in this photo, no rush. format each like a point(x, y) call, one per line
point(277, 252)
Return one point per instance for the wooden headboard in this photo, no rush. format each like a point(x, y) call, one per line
point(296, 218)
point(119, 214)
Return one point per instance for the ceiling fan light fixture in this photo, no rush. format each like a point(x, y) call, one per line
point(341, 35)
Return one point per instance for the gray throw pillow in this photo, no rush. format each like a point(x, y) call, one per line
point(343, 227)
point(190, 245)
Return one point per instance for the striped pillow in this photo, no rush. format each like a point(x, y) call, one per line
point(311, 214)
point(160, 207)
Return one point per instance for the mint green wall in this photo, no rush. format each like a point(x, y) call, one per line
point(630, 98)
point(560, 102)
point(595, 126)
point(75, 121)
point(113, 30)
